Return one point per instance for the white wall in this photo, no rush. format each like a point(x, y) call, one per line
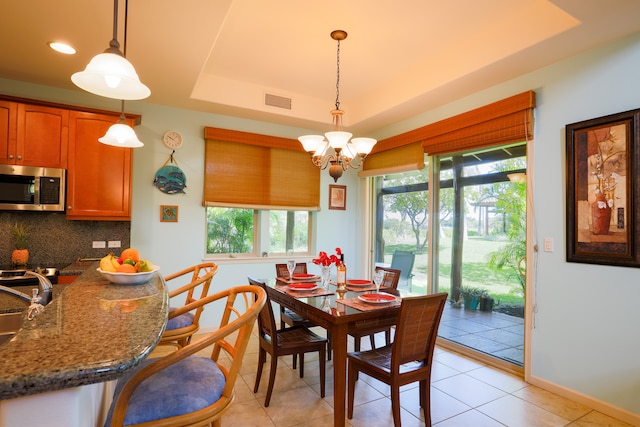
point(586, 317)
point(584, 335)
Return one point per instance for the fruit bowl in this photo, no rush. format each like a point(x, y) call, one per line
point(128, 278)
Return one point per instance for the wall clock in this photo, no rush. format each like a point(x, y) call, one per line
point(172, 139)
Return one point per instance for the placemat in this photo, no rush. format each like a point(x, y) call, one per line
point(320, 291)
point(363, 306)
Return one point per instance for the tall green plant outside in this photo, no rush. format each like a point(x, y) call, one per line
point(229, 230)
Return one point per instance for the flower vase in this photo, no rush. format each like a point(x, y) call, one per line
point(325, 274)
point(600, 215)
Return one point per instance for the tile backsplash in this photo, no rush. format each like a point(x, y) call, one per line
point(54, 241)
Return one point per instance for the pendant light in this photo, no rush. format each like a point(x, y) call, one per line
point(121, 134)
point(109, 74)
point(337, 150)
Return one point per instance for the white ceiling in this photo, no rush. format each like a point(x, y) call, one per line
point(222, 56)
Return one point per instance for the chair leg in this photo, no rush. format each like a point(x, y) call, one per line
point(302, 365)
point(272, 379)
point(295, 361)
point(329, 345)
point(387, 336)
point(425, 400)
point(372, 338)
point(395, 405)
point(262, 355)
point(356, 342)
point(323, 369)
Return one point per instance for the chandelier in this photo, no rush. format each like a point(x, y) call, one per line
point(109, 74)
point(339, 151)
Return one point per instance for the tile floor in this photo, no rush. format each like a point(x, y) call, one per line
point(464, 393)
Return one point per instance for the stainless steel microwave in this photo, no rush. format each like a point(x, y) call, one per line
point(28, 188)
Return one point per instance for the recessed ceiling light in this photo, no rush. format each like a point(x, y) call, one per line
point(62, 48)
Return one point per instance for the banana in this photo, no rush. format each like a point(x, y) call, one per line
point(106, 264)
point(114, 261)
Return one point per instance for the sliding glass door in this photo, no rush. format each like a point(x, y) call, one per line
point(476, 245)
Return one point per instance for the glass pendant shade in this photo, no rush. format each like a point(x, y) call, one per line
point(311, 142)
point(112, 76)
point(363, 145)
point(338, 139)
point(121, 135)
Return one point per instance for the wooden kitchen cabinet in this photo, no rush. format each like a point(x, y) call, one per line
point(33, 135)
point(99, 175)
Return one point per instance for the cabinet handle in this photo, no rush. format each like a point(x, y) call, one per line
point(19, 157)
point(69, 207)
point(11, 156)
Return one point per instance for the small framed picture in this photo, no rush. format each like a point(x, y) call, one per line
point(168, 213)
point(338, 197)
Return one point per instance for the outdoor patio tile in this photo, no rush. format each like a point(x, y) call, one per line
point(503, 337)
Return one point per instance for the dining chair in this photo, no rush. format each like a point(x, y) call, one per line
point(290, 317)
point(408, 359)
point(403, 261)
point(370, 328)
point(292, 340)
point(183, 388)
point(183, 323)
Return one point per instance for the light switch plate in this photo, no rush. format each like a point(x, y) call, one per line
point(99, 244)
point(114, 243)
point(548, 244)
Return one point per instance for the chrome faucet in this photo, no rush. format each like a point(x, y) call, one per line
point(45, 291)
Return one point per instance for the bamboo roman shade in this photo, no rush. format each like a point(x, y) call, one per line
point(246, 170)
point(400, 159)
point(502, 122)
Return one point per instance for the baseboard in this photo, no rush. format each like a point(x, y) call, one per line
point(600, 406)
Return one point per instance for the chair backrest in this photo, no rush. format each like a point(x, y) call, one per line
point(266, 319)
point(403, 261)
point(282, 271)
point(242, 306)
point(417, 329)
point(391, 277)
point(201, 275)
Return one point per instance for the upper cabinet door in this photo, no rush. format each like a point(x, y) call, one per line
point(42, 135)
point(99, 175)
point(8, 126)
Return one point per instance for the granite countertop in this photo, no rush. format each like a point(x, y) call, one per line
point(92, 331)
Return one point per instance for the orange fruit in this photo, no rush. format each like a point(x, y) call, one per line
point(131, 254)
point(126, 268)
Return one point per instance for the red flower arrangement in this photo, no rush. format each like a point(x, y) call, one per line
point(326, 260)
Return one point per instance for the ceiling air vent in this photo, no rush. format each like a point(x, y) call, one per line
point(277, 101)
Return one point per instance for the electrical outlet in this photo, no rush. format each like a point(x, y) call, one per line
point(99, 244)
point(114, 243)
point(548, 244)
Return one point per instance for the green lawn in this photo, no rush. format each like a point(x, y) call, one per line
point(502, 285)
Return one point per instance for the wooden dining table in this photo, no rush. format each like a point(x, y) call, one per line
point(339, 313)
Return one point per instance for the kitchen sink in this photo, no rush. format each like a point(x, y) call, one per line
point(10, 323)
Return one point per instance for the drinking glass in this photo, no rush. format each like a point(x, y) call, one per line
point(378, 278)
point(291, 264)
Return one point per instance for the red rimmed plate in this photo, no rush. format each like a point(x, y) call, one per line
point(303, 276)
point(359, 282)
point(380, 298)
point(302, 286)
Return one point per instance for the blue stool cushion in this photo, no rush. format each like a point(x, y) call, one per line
point(181, 321)
point(187, 386)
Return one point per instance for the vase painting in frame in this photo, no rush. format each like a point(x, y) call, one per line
point(601, 190)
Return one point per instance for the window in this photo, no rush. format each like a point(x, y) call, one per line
point(249, 232)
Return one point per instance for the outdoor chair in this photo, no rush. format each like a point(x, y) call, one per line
point(408, 359)
point(183, 323)
point(292, 340)
point(403, 261)
point(183, 388)
point(391, 279)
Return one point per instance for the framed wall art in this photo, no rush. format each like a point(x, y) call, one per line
point(602, 190)
point(338, 197)
point(168, 213)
